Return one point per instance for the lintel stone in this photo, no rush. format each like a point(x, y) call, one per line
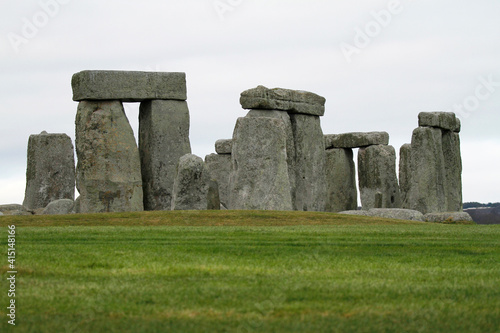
point(356, 140)
point(292, 101)
point(444, 120)
point(128, 86)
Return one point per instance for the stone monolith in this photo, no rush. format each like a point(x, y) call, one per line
point(342, 193)
point(194, 188)
point(405, 173)
point(163, 139)
point(378, 183)
point(310, 176)
point(220, 166)
point(453, 171)
point(50, 174)
point(259, 177)
point(109, 167)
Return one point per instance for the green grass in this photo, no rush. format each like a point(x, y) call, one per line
point(251, 272)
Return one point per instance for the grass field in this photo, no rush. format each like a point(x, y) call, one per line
point(250, 272)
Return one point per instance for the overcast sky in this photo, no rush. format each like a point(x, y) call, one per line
point(377, 63)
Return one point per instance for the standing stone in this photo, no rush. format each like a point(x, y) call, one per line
point(163, 139)
point(193, 186)
point(378, 183)
point(453, 171)
point(341, 180)
point(290, 143)
point(405, 173)
point(219, 167)
point(311, 191)
point(259, 178)
point(427, 194)
point(50, 174)
point(109, 167)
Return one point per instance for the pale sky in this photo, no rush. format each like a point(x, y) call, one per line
point(377, 63)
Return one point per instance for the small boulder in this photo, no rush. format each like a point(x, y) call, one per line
point(223, 147)
point(59, 207)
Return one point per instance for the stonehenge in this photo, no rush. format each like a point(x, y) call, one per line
point(277, 159)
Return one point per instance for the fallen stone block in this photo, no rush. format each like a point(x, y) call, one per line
point(59, 207)
point(224, 146)
point(397, 214)
point(445, 217)
point(291, 101)
point(356, 139)
point(444, 120)
point(128, 86)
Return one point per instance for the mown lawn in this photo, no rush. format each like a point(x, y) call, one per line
point(251, 272)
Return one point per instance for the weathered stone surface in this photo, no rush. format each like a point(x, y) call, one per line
point(76, 206)
point(259, 178)
point(356, 139)
point(59, 207)
point(290, 142)
point(128, 86)
point(109, 167)
point(310, 181)
point(397, 213)
point(356, 212)
point(224, 146)
point(50, 174)
point(427, 193)
point(453, 171)
point(20, 213)
point(405, 173)
point(292, 101)
point(444, 120)
point(341, 180)
point(378, 183)
point(448, 217)
point(220, 167)
point(8, 209)
point(193, 186)
point(163, 139)
point(389, 213)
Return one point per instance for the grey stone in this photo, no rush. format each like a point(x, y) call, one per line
point(397, 214)
point(405, 173)
point(50, 174)
point(310, 181)
point(128, 86)
point(342, 194)
point(448, 217)
point(290, 142)
point(220, 170)
point(193, 186)
point(453, 171)
point(59, 207)
point(109, 167)
point(259, 178)
point(427, 193)
point(76, 206)
point(20, 213)
point(163, 139)
point(356, 139)
point(356, 212)
point(292, 101)
point(7, 209)
point(444, 120)
point(377, 177)
point(224, 146)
